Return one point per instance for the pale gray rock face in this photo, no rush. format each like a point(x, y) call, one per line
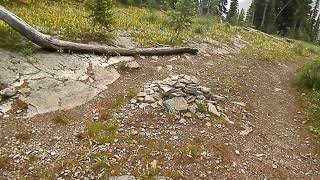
point(56, 81)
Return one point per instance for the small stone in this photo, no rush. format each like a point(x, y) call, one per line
point(126, 177)
point(227, 119)
point(143, 105)
point(208, 124)
point(159, 68)
point(200, 115)
point(161, 178)
point(149, 91)
point(182, 121)
point(237, 152)
point(179, 85)
point(205, 89)
point(246, 131)
point(277, 89)
point(157, 96)
point(134, 132)
point(274, 166)
point(169, 67)
point(212, 109)
point(239, 103)
point(53, 153)
point(149, 99)
point(8, 92)
point(133, 101)
point(193, 108)
point(175, 137)
point(133, 65)
point(154, 105)
point(165, 89)
point(188, 115)
point(174, 78)
point(141, 94)
point(194, 80)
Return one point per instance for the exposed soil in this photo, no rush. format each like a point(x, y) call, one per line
point(280, 146)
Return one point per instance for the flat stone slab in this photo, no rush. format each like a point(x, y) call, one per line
point(54, 81)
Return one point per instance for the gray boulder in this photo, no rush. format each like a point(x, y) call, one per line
point(176, 104)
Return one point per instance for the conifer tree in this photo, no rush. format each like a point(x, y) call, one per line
point(316, 31)
point(232, 14)
point(241, 19)
point(269, 25)
point(250, 13)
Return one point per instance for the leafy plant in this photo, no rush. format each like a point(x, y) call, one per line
point(202, 106)
point(182, 16)
point(120, 98)
point(102, 132)
point(100, 12)
point(309, 76)
point(61, 119)
point(300, 49)
point(189, 150)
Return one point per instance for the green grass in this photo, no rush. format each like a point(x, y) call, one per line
point(61, 119)
point(132, 92)
point(311, 102)
point(308, 78)
point(102, 132)
point(189, 150)
point(202, 107)
point(22, 134)
point(119, 100)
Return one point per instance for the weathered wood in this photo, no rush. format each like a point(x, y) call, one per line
point(49, 43)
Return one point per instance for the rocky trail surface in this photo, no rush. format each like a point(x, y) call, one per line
point(251, 126)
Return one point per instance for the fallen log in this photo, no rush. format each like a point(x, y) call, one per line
point(49, 43)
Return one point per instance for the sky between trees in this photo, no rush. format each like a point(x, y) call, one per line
point(243, 4)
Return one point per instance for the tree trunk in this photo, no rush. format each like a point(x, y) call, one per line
point(264, 14)
point(49, 43)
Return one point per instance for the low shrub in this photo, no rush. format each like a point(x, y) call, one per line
point(309, 76)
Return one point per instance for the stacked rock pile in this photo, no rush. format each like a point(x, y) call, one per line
point(178, 94)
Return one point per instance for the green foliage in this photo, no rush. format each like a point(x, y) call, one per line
point(102, 132)
point(312, 99)
point(61, 119)
point(300, 49)
point(315, 107)
point(309, 76)
point(202, 106)
point(151, 17)
point(182, 16)
point(203, 24)
point(241, 18)
point(28, 49)
point(120, 98)
point(232, 14)
point(101, 12)
point(189, 150)
point(132, 92)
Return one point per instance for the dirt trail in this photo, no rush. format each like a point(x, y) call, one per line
point(279, 147)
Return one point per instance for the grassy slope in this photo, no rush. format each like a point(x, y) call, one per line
point(148, 27)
